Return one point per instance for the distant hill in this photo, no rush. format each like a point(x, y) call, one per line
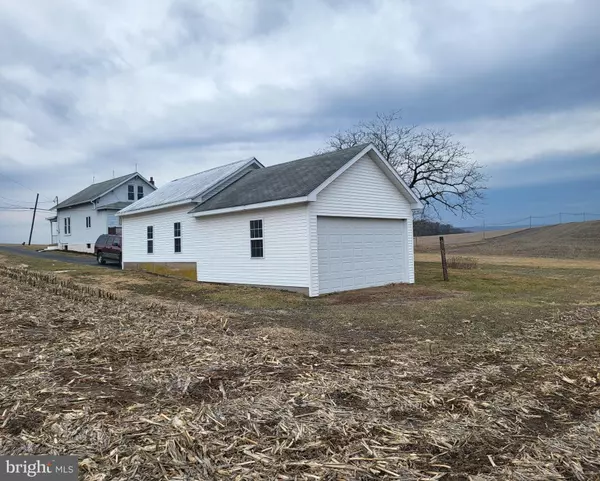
point(575, 240)
point(432, 242)
point(423, 227)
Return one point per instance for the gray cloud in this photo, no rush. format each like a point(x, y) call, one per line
point(179, 85)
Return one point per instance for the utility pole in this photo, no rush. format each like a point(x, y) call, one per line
point(33, 218)
point(530, 222)
point(560, 217)
point(584, 217)
point(484, 229)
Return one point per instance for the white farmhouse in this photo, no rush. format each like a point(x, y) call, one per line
point(331, 222)
point(83, 217)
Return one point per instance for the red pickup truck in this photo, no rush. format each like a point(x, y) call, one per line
point(108, 248)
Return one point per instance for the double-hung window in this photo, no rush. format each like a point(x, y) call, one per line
point(150, 239)
point(140, 191)
point(67, 226)
point(131, 192)
point(256, 238)
point(88, 222)
point(177, 236)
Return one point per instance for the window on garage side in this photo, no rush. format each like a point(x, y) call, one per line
point(177, 236)
point(150, 239)
point(131, 192)
point(256, 238)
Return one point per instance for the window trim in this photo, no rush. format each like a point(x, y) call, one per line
point(67, 225)
point(130, 192)
point(175, 237)
point(149, 239)
point(140, 189)
point(262, 238)
point(88, 221)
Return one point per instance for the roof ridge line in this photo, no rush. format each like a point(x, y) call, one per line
point(108, 180)
point(215, 168)
point(362, 146)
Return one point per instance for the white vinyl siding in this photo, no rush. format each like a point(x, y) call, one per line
point(135, 236)
point(224, 255)
point(80, 235)
point(363, 190)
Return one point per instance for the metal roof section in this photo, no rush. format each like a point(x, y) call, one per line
point(184, 190)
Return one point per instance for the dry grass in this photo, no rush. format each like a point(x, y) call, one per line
point(33, 247)
point(461, 262)
point(576, 240)
point(432, 242)
point(533, 262)
point(149, 389)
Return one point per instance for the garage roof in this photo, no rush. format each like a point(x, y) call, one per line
point(297, 178)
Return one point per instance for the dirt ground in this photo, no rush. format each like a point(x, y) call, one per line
point(492, 376)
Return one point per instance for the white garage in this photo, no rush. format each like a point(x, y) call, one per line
point(331, 222)
point(355, 253)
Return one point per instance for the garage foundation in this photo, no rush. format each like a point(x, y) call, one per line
point(186, 270)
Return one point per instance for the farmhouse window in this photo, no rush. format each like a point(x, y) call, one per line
point(88, 222)
point(67, 226)
point(140, 191)
point(177, 236)
point(256, 238)
point(131, 192)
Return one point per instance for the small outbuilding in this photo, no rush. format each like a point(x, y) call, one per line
point(326, 223)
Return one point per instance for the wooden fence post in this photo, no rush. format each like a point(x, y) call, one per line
point(444, 263)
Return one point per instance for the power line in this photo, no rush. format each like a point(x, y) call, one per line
point(22, 209)
point(19, 183)
point(25, 201)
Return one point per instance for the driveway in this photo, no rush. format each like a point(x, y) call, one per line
point(61, 256)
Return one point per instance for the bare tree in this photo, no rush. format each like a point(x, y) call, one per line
point(437, 167)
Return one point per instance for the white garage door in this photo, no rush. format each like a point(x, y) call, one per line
point(356, 253)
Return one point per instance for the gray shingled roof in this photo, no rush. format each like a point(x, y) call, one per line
point(93, 191)
point(297, 178)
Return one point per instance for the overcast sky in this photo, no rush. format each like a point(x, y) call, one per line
point(88, 88)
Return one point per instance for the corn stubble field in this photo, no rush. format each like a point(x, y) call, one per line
point(141, 389)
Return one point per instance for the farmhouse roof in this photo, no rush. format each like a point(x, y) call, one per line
point(96, 190)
